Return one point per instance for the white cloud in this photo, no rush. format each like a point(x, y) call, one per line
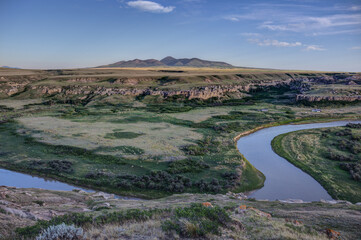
point(302, 18)
point(250, 34)
point(149, 6)
point(323, 33)
point(356, 48)
point(314, 48)
point(275, 43)
point(306, 23)
point(355, 8)
point(233, 19)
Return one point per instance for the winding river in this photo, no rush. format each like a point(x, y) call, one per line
point(283, 180)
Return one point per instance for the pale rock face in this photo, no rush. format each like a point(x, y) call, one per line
point(311, 98)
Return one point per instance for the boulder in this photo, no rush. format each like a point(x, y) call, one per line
point(104, 195)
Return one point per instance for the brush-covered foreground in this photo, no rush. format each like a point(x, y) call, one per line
point(331, 155)
point(184, 216)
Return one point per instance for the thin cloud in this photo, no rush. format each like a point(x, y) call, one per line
point(233, 19)
point(355, 8)
point(251, 34)
point(285, 17)
point(314, 48)
point(351, 31)
point(149, 6)
point(356, 48)
point(275, 43)
point(306, 23)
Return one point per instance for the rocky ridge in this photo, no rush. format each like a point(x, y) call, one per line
point(208, 86)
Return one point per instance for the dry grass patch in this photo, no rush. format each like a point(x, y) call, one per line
point(19, 104)
point(154, 138)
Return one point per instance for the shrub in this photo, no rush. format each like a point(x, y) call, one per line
point(94, 175)
point(205, 146)
point(344, 132)
point(212, 186)
point(158, 180)
point(61, 166)
point(187, 165)
point(232, 178)
point(338, 157)
point(353, 125)
point(61, 232)
point(354, 169)
point(197, 221)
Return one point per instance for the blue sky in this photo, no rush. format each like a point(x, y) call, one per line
point(287, 34)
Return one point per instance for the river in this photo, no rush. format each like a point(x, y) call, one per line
point(283, 180)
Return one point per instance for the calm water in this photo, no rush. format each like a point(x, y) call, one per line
point(283, 180)
point(20, 180)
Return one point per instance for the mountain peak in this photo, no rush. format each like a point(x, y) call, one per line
point(168, 58)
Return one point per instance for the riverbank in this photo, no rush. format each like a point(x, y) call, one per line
point(295, 122)
point(310, 151)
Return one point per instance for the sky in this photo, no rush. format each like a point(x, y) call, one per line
point(283, 34)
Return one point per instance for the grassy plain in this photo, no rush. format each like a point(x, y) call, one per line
point(321, 153)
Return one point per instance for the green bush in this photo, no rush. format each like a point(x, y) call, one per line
point(197, 221)
point(61, 166)
point(186, 165)
point(205, 146)
point(158, 180)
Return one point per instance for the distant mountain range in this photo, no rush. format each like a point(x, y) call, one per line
point(10, 67)
point(169, 62)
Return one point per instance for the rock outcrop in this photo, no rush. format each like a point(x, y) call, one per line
point(312, 98)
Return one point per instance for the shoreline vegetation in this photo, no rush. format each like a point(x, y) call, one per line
point(293, 122)
point(310, 150)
